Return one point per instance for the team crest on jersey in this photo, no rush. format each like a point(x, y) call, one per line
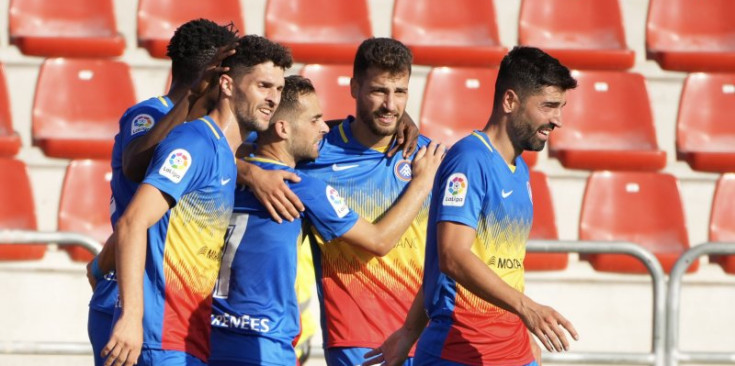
point(176, 165)
point(456, 190)
point(141, 122)
point(338, 203)
point(402, 170)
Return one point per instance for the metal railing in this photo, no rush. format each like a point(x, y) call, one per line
point(11, 237)
point(673, 355)
point(657, 354)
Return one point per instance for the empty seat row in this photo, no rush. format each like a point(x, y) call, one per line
point(640, 207)
point(681, 35)
point(608, 124)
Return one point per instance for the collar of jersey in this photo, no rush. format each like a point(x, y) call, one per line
point(165, 101)
point(486, 140)
point(345, 132)
point(212, 126)
point(253, 158)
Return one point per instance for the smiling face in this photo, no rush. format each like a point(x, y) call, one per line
point(381, 98)
point(256, 96)
point(536, 117)
point(307, 128)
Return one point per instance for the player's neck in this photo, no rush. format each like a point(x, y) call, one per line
point(498, 135)
point(227, 123)
point(277, 152)
point(176, 91)
point(366, 137)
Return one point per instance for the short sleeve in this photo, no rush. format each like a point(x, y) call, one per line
point(180, 162)
point(460, 188)
point(137, 122)
point(325, 208)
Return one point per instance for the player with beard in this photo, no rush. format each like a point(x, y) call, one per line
point(479, 220)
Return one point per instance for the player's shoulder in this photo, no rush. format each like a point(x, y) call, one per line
point(154, 107)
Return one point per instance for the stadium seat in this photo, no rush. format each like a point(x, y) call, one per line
point(639, 207)
point(581, 34)
point(544, 227)
point(77, 106)
point(318, 31)
point(464, 33)
point(69, 28)
point(17, 210)
point(158, 19)
point(458, 100)
point(705, 134)
point(722, 220)
point(332, 83)
point(607, 125)
point(687, 35)
point(9, 139)
point(84, 207)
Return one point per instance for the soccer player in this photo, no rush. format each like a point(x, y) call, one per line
point(193, 46)
point(365, 297)
point(255, 315)
point(480, 217)
point(184, 206)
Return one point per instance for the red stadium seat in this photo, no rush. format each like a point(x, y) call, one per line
point(722, 220)
point(687, 35)
point(9, 139)
point(85, 203)
point(318, 31)
point(544, 227)
point(581, 34)
point(77, 106)
point(458, 100)
point(17, 210)
point(705, 134)
point(332, 84)
point(69, 28)
point(158, 19)
point(640, 207)
point(607, 125)
point(464, 33)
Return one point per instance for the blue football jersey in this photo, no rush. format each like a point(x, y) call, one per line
point(477, 188)
point(255, 315)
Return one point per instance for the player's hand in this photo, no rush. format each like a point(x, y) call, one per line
point(547, 325)
point(407, 136)
point(90, 277)
point(426, 163)
point(393, 351)
point(271, 190)
point(535, 350)
point(125, 342)
point(212, 70)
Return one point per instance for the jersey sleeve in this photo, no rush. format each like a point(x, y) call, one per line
point(180, 163)
point(137, 122)
point(460, 189)
point(326, 210)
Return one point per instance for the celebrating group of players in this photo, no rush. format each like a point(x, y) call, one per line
point(403, 232)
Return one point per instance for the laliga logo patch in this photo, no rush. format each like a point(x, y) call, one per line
point(456, 190)
point(176, 165)
point(337, 202)
point(141, 122)
point(402, 169)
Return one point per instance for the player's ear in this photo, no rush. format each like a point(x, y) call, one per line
point(226, 84)
point(354, 87)
point(282, 129)
point(510, 101)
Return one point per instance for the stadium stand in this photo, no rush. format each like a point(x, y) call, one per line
point(318, 31)
point(9, 139)
point(69, 28)
point(722, 220)
point(464, 33)
point(77, 106)
point(158, 19)
point(332, 83)
point(686, 35)
point(581, 34)
point(544, 227)
point(705, 134)
point(608, 125)
point(458, 100)
point(85, 203)
point(640, 207)
point(17, 210)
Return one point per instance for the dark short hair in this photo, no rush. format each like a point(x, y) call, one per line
point(526, 70)
point(295, 87)
point(194, 44)
point(253, 50)
point(384, 54)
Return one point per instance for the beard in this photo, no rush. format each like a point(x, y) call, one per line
point(524, 135)
point(370, 119)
